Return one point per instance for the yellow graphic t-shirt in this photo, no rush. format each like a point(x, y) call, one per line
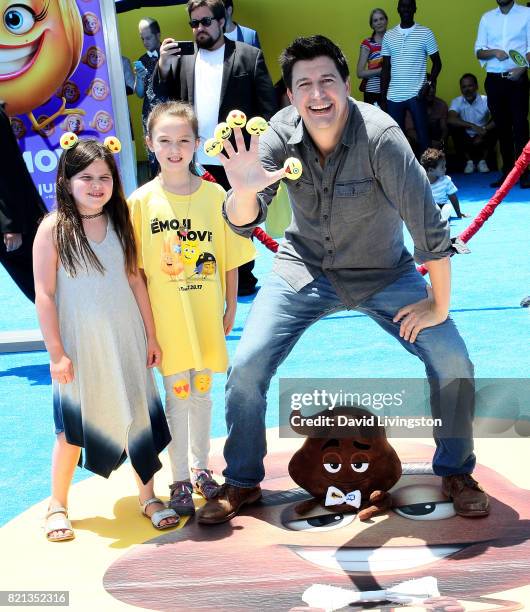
point(185, 247)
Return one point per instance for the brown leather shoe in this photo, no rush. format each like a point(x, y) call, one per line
point(469, 498)
point(227, 504)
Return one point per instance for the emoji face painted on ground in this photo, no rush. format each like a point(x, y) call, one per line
point(91, 24)
point(213, 147)
point(257, 126)
point(202, 382)
point(70, 92)
point(181, 389)
point(268, 556)
point(332, 467)
point(236, 119)
point(99, 90)
point(94, 57)
point(102, 122)
point(293, 168)
point(222, 131)
point(40, 46)
point(18, 127)
point(73, 123)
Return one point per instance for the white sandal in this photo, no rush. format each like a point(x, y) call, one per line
point(58, 523)
point(157, 517)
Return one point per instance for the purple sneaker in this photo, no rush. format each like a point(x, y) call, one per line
point(181, 500)
point(204, 483)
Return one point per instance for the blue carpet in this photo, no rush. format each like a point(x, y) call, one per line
point(488, 285)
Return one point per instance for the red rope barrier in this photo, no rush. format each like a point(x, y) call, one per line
point(520, 166)
point(265, 239)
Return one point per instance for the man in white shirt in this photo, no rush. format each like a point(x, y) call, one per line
point(404, 86)
point(500, 31)
point(471, 126)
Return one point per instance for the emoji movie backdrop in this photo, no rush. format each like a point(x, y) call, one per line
point(55, 77)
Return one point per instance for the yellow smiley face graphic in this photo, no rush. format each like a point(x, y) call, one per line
point(236, 118)
point(213, 147)
point(181, 389)
point(293, 168)
point(37, 55)
point(222, 131)
point(202, 383)
point(257, 126)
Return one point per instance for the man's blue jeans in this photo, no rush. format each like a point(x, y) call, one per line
point(278, 318)
point(416, 107)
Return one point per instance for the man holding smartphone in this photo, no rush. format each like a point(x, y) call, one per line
point(221, 75)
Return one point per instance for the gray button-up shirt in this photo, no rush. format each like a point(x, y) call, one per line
point(348, 215)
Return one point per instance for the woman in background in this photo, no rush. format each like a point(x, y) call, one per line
point(370, 60)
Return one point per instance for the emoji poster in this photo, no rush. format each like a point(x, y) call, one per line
point(60, 71)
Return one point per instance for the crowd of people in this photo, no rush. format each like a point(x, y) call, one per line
point(163, 262)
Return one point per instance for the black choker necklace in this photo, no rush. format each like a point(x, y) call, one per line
point(101, 212)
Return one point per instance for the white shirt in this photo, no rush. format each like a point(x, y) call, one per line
point(476, 112)
point(408, 50)
point(506, 32)
point(207, 96)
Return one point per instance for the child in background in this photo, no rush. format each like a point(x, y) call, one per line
point(91, 301)
point(190, 257)
point(442, 187)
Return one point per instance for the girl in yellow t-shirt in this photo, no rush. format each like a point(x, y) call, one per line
point(189, 257)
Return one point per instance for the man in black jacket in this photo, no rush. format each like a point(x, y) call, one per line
point(21, 209)
point(222, 75)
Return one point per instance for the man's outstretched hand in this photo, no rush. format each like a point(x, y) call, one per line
point(243, 167)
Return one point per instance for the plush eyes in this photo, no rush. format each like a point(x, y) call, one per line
point(332, 468)
point(359, 467)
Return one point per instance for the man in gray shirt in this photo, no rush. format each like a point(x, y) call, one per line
point(343, 250)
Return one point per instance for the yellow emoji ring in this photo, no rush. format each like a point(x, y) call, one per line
point(293, 168)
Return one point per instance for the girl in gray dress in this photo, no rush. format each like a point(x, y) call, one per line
point(98, 327)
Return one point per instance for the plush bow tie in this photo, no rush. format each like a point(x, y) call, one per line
point(335, 497)
point(152, 53)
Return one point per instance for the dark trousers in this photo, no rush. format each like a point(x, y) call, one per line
point(474, 148)
point(19, 265)
point(508, 104)
point(246, 280)
point(416, 107)
point(371, 98)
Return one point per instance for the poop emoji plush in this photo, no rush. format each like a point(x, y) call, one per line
point(350, 467)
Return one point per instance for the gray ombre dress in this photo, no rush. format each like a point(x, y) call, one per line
point(113, 402)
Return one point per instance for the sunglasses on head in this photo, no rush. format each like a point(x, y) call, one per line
point(205, 21)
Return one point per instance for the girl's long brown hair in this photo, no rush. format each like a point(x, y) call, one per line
point(72, 244)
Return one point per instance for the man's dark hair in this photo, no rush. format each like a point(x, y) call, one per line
point(414, 7)
point(468, 75)
point(216, 7)
point(228, 4)
point(307, 48)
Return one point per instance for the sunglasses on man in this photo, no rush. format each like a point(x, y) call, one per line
point(205, 21)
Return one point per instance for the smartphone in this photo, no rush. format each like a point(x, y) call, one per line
point(186, 47)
